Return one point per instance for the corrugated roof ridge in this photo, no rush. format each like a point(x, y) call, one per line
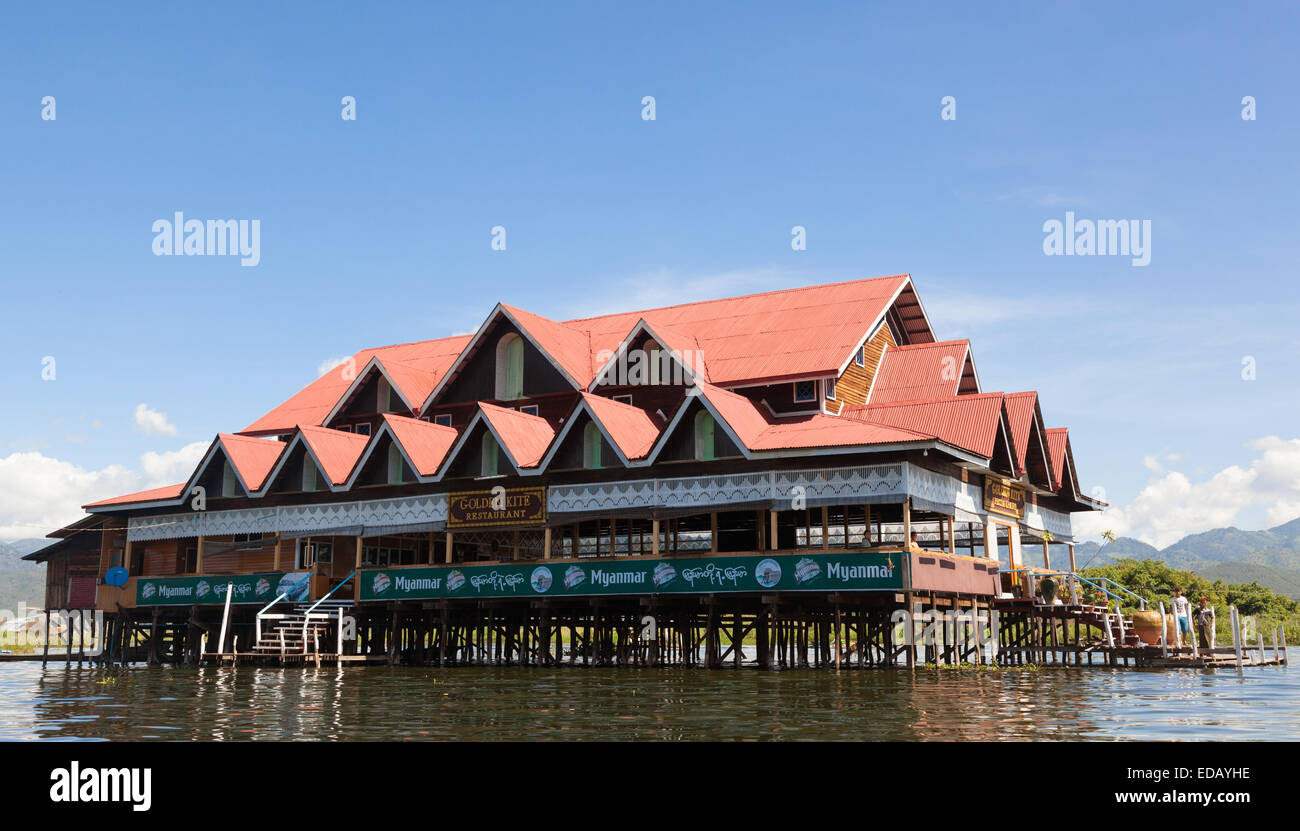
point(933, 344)
point(739, 297)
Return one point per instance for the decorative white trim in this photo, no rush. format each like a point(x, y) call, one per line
point(1038, 518)
point(411, 510)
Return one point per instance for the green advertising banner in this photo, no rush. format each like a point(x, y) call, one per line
point(849, 571)
point(245, 588)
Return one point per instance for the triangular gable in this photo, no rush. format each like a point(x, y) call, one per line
point(630, 431)
point(333, 453)
point(1025, 418)
point(374, 367)
point(251, 458)
point(684, 351)
point(568, 350)
point(774, 336)
point(424, 445)
point(523, 438)
point(413, 367)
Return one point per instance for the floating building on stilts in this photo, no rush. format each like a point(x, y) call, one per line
point(805, 477)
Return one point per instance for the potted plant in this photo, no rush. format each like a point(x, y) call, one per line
point(1047, 586)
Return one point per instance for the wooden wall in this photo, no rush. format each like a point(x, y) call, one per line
point(852, 387)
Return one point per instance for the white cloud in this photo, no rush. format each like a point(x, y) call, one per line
point(39, 494)
point(1152, 464)
point(329, 363)
point(1173, 506)
point(151, 422)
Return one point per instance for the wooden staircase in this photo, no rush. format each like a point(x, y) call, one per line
point(304, 630)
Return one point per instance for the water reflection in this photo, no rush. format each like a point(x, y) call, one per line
point(413, 704)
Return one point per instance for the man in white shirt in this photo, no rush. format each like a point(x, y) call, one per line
point(1182, 610)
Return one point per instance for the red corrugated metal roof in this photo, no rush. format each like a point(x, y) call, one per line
point(793, 332)
point(758, 430)
point(414, 367)
point(1058, 442)
point(336, 450)
point(426, 444)
point(919, 373)
point(967, 421)
point(252, 457)
point(1021, 408)
point(526, 437)
point(631, 428)
point(568, 346)
point(167, 492)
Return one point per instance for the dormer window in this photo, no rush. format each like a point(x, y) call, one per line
point(861, 358)
point(488, 449)
point(308, 475)
point(363, 429)
point(529, 409)
point(443, 418)
point(510, 367)
point(830, 389)
point(229, 482)
point(805, 391)
point(591, 441)
point(395, 472)
point(704, 429)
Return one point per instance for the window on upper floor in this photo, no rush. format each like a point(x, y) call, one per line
point(383, 395)
point(529, 409)
point(805, 391)
point(591, 450)
point(623, 399)
point(830, 389)
point(308, 475)
point(363, 429)
point(395, 471)
point(654, 358)
point(510, 367)
point(489, 453)
point(704, 430)
point(229, 482)
point(861, 358)
point(443, 418)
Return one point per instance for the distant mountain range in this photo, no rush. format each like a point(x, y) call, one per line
point(1270, 557)
point(21, 580)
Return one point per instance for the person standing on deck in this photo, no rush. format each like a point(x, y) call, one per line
point(1182, 609)
point(1205, 623)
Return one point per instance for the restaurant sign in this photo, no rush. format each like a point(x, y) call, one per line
point(853, 571)
point(245, 588)
point(1003, 497)
point(498, 506)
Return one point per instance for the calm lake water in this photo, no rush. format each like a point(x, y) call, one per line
point(399, 704)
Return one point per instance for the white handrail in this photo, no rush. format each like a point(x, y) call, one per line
point(225, 617)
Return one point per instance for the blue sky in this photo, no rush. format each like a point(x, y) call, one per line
point(378, 230)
